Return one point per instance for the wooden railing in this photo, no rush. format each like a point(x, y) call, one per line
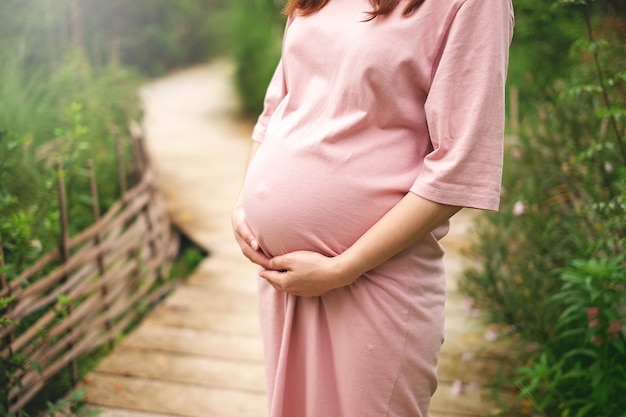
point(82, 295)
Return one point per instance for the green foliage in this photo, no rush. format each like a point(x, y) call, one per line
point(73, 406)
point(539, 52)
point(583, 372)
point(553, 257)
point(254, 29)
point(544, 34)
point(55, 106)
point(16, 224)
point(151, 36)
point(76, 111)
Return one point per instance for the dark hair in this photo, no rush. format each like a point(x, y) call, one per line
point(381, 7)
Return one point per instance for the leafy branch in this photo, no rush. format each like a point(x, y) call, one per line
point(595, 51)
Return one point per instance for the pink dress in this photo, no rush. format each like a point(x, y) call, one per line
point(357, 115)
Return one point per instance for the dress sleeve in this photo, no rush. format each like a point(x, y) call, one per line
point(276, 91)
point(465, 108)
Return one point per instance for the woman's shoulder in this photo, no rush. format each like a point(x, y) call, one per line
point(452, 9)
point(455, 5)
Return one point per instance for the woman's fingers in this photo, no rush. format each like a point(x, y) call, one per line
point(247, 240)
point(244, 231)
point(301, 273)
point(280, 263)
point(255, 255)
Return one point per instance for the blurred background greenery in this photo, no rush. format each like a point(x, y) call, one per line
point(552, 270)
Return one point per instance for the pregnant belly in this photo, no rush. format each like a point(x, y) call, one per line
point(303, 201)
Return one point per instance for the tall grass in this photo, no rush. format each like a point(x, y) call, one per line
point(24, 105)
point(68, 115)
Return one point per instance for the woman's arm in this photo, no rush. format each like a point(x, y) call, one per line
point(310, 274)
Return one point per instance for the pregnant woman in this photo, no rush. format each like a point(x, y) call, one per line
point(383, 119)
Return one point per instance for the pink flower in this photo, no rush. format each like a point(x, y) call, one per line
point(592, 313)
point(608, 168)
point(457, 387)
point(593, 323)
point(596, 340)
point(518, 208)
point(615, 327)
point(490, 335)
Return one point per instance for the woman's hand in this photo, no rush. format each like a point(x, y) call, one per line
point(310, 274)
point(246, 239)
point(306, 274)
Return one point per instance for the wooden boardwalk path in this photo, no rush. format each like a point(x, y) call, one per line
point(198, 354)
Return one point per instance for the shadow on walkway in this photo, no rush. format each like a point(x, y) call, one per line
point(198, 354)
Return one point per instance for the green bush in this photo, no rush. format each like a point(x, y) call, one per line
point(555, 251)
point(63, 110)
point(543, 36)
point(582, 371)
point(254, 31)
point(66, 93)
point(68, 116)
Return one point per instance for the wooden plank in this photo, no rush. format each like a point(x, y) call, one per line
point(466, 334)
point(470, 401)
point(193, 317)
point(482, 371)
point(196, 370)
point(219, 300)
point(226, 273)
point(196, 342)
point(119, 412)
point(435, 413)
point(177, 399)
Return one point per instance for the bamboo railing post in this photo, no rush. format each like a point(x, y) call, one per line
point(142, 163)
point(104, 289)
point(65, 249)
point(139, 155)
point(121, 170)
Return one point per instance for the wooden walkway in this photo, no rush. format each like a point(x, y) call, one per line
point(198, 354)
